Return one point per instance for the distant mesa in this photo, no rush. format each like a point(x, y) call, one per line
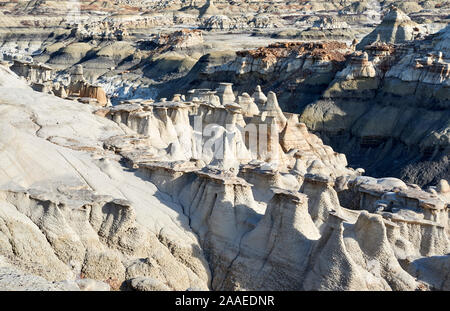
point(396, 27)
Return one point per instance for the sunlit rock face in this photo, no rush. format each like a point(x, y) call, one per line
point(342, 94)
point(396, 27)
point(164, 148)
point(406, 87)
point(134, 199)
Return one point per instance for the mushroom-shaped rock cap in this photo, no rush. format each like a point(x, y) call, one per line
point(176, 98)
point(246, 96)
point(244, 99)
point(214, 100)
point(316, 165)
point(443, 186)
point(78, 70)
point(259, 97)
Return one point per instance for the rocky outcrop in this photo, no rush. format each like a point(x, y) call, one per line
point(367, 238)
point(297, 72)
point(35, 73)
point(330, 23)
point(131, 212)
point(180, 39)
point(208, 9)
point(40, 77)
point(238, 219)
point(295, 136)
point(216, 189)
point(12, 279)
point(79, 224)
point(396, 27)
point(433, 270)
point(220, 132)
point(405, 86)
point(341, 94)
point(422, 217)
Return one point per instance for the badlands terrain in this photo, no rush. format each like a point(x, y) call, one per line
point(225, 145)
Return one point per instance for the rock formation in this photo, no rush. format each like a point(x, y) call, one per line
point(237, 212)
point(403, 88)
point(78, 87)
point(209, 9)
point(37, 73)
point(396, 27)
point(180, 39)
point(173, 158)
point(75, 228)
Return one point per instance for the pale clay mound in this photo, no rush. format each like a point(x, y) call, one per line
point(114, 198)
